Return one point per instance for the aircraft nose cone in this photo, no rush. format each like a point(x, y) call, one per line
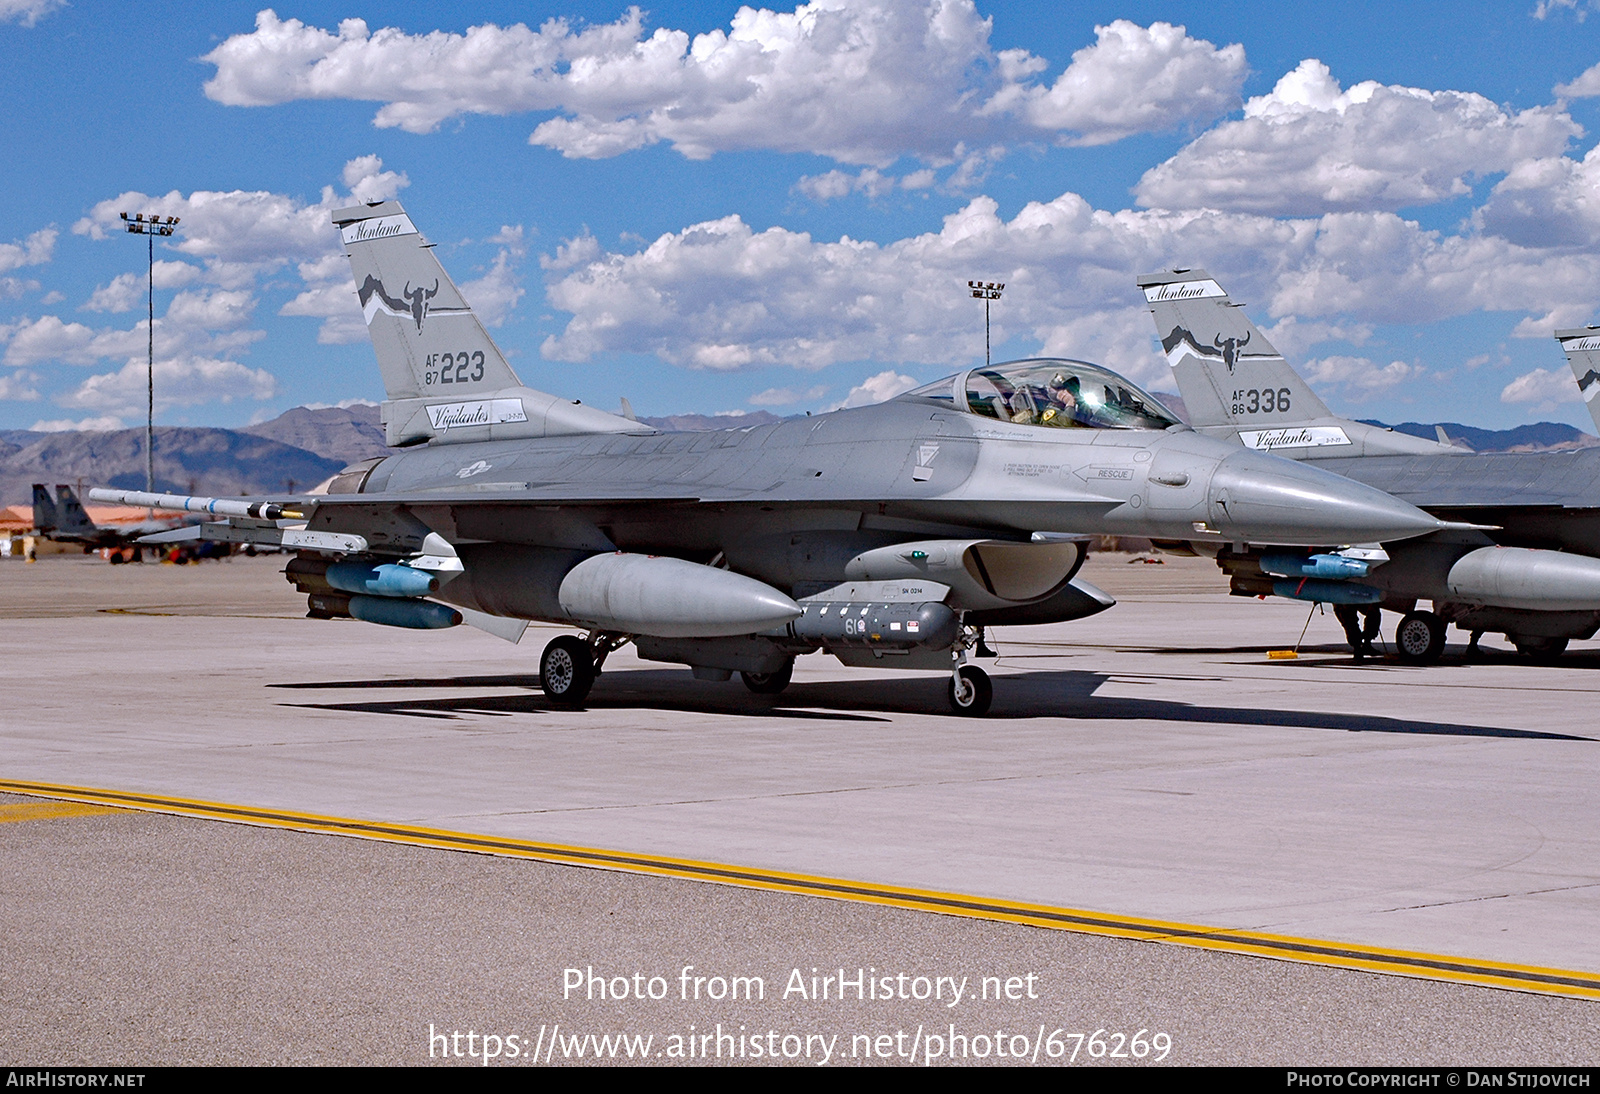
point(1270, 499)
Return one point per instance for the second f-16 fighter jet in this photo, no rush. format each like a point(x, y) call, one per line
point(886, 535)
point(1529, 571)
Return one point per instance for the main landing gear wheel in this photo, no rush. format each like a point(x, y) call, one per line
point(974, 693)
point(1419, 639)
point(1546, 651)
point(566, 670)
point(769, 683)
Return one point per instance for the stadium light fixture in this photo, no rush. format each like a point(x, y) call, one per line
point(986, 291)
point(150, 227)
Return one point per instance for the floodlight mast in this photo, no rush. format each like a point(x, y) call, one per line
point(150, 227)
point(986, 291)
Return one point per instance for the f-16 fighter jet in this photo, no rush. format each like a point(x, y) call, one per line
point(1528, 571)
point(886, 535)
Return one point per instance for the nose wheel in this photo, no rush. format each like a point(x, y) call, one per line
point(970, 691)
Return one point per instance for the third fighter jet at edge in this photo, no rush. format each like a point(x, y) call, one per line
point(1529, 571)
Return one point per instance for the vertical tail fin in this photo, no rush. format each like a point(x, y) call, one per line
point(1228, 371)
point(1582, 347)
point(1236, 384)
point(44, 509)
point(70, 513)
point(445, 377)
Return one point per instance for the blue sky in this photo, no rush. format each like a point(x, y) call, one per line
point(711, 209)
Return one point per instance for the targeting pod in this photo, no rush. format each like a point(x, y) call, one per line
point(839, 623)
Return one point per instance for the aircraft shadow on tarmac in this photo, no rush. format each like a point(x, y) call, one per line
point(1036, 694)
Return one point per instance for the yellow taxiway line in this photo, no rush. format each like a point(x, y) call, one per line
point(49, 810)
point(1284, 947)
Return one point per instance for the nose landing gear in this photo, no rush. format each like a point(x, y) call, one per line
point(970, 691)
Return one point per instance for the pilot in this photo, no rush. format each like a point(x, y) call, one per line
point(1063, 401)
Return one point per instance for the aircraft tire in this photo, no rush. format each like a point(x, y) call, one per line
point(769, 683)
point(975, 695)
point(1544, 651)
point(1419, 639)
point(566, 670)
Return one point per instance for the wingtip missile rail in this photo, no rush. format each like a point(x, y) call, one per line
point(263, 523)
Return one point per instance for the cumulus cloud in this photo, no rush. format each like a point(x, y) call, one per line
point(860, 81)
point(333, 300)
point(1549, 202)
point(342, 404)
point(49, 339)
point(194, 323)
point(1293, 336)
point(33, 251)
point(236, 237)
point(721, 296)
point(494, 295)
point(1175, 78)
point(226, 243)
point(1308, 147)
point(237, 234)
point(1359, 377)
point(28, 12)
point(869, 181)
point(1547, 388)
point(129, 289)
point(1579, 8)
point(1585, 86)
point(876, 389)
point(240, 234)
point(180, 381)
point(367, 181)
point(787, 396)
point(106, 423)
point(21, 385)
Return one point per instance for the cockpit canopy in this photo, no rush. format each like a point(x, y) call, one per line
point(1052, 392)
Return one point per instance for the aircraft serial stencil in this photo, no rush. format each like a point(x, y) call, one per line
point(888, 535)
